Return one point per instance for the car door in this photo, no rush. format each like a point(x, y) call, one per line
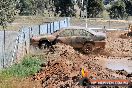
point(65, 36)
point(80, 36)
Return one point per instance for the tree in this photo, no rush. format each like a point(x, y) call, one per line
point(7, 12)
point(117, 10)
point(27, 7)
point(128, 7)
point(34, 7)
point(64, 7)
point(94, 7)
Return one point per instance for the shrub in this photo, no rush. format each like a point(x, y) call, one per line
point(28, 66)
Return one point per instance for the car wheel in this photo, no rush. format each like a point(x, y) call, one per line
point(88, 48)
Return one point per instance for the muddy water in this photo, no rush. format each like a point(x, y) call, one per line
point(118, 63)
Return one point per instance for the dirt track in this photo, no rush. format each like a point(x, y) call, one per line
point(63, 67)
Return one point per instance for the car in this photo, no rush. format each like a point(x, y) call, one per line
point(77, 37)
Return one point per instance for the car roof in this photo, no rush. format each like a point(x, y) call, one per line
point(79, 27)
point(87, 29)
point(74, 27)
point(95, 28)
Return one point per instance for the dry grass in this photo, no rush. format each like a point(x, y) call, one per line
point(26, 21)
point(19, 83)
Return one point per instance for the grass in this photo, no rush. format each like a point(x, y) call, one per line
point(26, 21)
point(16, 75)
point(28, 66)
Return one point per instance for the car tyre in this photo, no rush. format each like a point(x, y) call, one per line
point(88, 48)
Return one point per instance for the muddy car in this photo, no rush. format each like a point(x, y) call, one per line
point(77, 37)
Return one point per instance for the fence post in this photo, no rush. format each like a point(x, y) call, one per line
point(50, 28)
point(4, 48)
point(29, 41)
point(23, 44)
point(17, 45)
point(109, 23)
point(53, 27)
point(67, 22)
point(39, 29)
point(59, 24)
point(47, 28)
point(31, 32)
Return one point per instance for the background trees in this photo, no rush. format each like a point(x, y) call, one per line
point(7, 12)
point(128, 7)
point(64, 7)
point(117, 10)
point(94, 7)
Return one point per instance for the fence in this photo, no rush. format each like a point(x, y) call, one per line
point(101, 23)
point(22, 41)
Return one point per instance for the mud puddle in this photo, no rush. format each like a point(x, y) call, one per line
point(118, 63)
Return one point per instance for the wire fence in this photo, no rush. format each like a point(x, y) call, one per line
point(21, 41)
point(17, 43)
point(101, 23)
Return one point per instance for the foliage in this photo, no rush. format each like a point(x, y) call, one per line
point(7, 12)
point(33, 7)
point(128, 8)
point(64, 7)
point(117, 10)
point(94, 7)
point(28, 66)
point(27, 7)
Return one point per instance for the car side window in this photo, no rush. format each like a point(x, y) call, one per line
point(86, 33)
point(65, 33)
point(76, 32)
point(81, 32)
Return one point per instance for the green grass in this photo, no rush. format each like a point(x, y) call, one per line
point(28, 66)
point(16, 75)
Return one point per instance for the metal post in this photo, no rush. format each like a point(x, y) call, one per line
point(59, 24)
point(29, 40)
point(47, 28)
point(31, 31)
point(39, 30)
point(53, 27)
point(4, 49)
point(67, 22)
point(86, 15)
point(50, 28)
point(109, 23)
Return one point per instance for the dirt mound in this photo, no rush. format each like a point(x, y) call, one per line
point(117, 46)
point(61, 71)
point(64, 70)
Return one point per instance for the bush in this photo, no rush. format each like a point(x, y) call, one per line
point(28, 66)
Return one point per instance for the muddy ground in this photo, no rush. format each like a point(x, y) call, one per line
point(63, 67)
